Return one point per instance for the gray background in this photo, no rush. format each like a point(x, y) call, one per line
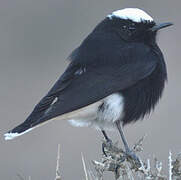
point(36, 36)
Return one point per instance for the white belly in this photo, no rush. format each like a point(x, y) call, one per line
point(100, 115)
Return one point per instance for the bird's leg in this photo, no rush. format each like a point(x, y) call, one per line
point(119, 127)
point(128, 151)
point(105, 135)
point(108, 141)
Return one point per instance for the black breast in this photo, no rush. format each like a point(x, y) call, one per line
point(141, 98)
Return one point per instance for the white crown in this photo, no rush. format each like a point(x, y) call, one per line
point(134, 14)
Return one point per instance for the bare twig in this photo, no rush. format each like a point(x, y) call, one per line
point(170, 165)
point(20, 177)
point(58, 177)
point(126, 168)
point(176, 170)
point(84, 166)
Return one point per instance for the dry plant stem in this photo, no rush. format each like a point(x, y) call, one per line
point(176, 170)
point(170, 165)
point(58, 177)
point(20, 177)
point(126, 168)
point(89, 175)
point(85, 169)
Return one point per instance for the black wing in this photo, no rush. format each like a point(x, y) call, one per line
point(84, 83)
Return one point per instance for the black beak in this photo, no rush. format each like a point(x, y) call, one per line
point(160, 26)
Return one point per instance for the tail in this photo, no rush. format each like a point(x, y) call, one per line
point(18, 131)
point(41, 113)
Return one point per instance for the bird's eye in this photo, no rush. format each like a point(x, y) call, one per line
point(132, 26)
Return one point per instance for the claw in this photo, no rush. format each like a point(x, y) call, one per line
point(103, 149)
point(108, 143)
point(130, 154)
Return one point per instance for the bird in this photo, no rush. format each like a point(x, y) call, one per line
point(114, 77)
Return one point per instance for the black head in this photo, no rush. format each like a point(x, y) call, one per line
point(133, 24)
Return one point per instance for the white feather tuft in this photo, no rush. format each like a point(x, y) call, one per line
point(91, 116)
point(134, 14)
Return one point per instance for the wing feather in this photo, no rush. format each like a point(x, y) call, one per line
point(101, 77)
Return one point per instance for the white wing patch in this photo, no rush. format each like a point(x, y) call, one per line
point(80, 71)
point(134, 14)
point(54, 101)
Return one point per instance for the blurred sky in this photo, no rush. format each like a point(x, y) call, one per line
point(36, 36)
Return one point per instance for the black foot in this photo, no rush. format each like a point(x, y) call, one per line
point(108, 143)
